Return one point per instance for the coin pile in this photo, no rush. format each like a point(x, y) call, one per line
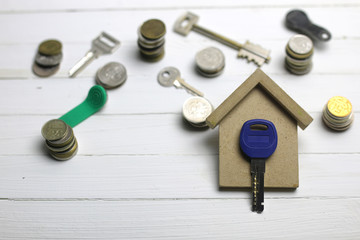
point(59, 139)
point(151, 40)
point(210, 62)
point(111, 75)
point(299, 51)
point(48, 58)
point(338, 114)
point(196, 110)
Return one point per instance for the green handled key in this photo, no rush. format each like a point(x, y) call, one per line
point(95, 100)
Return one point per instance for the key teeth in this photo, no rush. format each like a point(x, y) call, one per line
point(251, 58)
point(255, 53)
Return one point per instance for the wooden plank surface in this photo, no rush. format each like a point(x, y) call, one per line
point(180, 219)
point(141, 172)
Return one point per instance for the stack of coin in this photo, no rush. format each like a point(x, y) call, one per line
point(48, 58)
point(299, 52)
point(151, 39)
point(196, 110)
point(111, 75)
point(210, 62)
point(338, 114)
point(59, 139)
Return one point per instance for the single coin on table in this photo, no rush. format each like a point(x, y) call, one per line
point(111, 75)
point(196, 110)
point(50, 47)
point(210, 62)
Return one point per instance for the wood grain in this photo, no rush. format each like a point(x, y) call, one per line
point(180, 219)
point(141, 171)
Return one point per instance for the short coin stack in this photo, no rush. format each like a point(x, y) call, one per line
point(196, 110)
point(210, 62)
point(111, 75)
point(299, 51)
point(48, 58)
point(151, 40)
point(60, 140)
point(338, 114)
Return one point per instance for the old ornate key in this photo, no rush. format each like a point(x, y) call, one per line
point(258, 140)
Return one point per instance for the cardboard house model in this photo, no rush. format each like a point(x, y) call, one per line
point(259, 97)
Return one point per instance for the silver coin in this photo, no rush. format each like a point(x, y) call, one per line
point(210, 60)
point(48, 61)
point(300, 44)
point(337, 123)
point(209, 75)
point(167, 76)
point(62, 141)
point(54, 130)
point(44, 71)
point(111, 75)
point(196, 110)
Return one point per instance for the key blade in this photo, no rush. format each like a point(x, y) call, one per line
point(257, 168)
point(258, 192)
point(255, 53)
point(81, 64)
point(190, 89)
point(105, 44)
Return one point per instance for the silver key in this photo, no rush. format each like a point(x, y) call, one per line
point(252, 52)
point(103, 44)
point(170, 76)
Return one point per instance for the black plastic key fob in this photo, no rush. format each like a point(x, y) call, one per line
point(298, 21)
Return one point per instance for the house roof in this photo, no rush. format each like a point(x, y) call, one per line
point(259, 78)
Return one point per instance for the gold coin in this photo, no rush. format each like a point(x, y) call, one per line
point(50, 47)
point(153, 58)
point(66, 155)
point(339, 106)
point(153, 29)
point(60, 149)
point(295, 55)
point(44, 71)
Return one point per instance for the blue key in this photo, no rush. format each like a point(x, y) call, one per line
point(258, 140)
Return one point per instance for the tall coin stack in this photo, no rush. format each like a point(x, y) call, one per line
point(48, 58)
point(338, 114)
point(299, 51)
point(151, 40)
point(59, 139)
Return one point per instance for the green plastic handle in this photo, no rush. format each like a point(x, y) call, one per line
point(95, 100)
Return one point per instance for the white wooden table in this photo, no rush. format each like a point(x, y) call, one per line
point(141, 172)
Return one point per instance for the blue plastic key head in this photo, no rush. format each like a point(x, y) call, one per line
point(258, 138)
